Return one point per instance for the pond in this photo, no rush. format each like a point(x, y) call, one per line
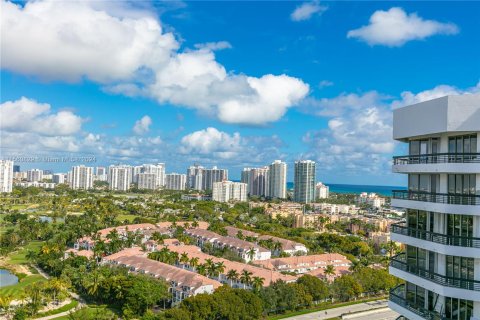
point(50, 219)
point(7, 278)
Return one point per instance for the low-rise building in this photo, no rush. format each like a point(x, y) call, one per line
point(287, 246)
point(183, 283)
point(37, 184)
point(268, 276)
point(248, 251)
point(371, 199)
point(304, 264)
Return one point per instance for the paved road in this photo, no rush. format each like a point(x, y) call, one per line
point(337, 312)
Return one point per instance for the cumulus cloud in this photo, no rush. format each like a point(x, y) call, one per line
point(27, 115)
point(306, 10)
point(142, 125)
point(395, 27)
point(128, 52)
point(408, 97)
point(211, 144)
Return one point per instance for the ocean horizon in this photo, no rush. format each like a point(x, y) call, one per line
point(358, 188)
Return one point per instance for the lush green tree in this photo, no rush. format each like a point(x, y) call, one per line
point(346, 287)
point(315, 287)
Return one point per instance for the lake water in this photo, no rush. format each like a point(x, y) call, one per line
point(50, 219)
point(7, 278)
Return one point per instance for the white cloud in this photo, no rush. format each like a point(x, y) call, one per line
point(211, 141)
point(142, 125)
point(409, 97)
point(330, 107)
point(212, 46)
point(27, 115)
point(132, 55)
point(211, 145)
point(395, 27)
point(325, 83)
point(306, 10)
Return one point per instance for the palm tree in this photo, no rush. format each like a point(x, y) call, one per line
point(211, 267)
point(257, 283)
point(5, 301)
point(184, 259)
point(232, 275)
point(219, 268)
point(194, 262)
point(355, 266)
point(245, 278)
point(251, 253)
point(186, 225)
point(329, 270)
point(195, 224)
point(202, 269)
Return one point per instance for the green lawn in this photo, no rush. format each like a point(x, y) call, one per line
point(64, 308)
point(123, 217)
point(19, 257)
point(88, 311)
point(17, 289)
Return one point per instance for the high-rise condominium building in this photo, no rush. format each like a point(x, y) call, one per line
point(278, 179)
point(200, 178)
point(195, 177)
point(136, 170)
point(258, 182)
point(441, 234)
point(245, 176)
point(119, 177)
point(304, 181)
point(321, 191)
point(175, 181)
point(81, 177)
point(59, 178)
point(226, 191)
point(147, 181)
point(6, 175)
point(159, 171)
point(210, 176)
point(34, 175)
point(101, 174)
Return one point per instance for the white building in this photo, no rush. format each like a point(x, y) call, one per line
point(37, 184)
point(120, 177)
point(59, 178)
point(278, 180)
point(195, 177)
point(159, 171)
point(136, 170)
point(441, 263)
point(226, 191)
point(101, 174)
point(81, 177)
point(200, 178)
point(34, 175)
point(304, 181)
point(6, 175)
point(175, 181)
point(321, 191)
point(372, 199)
point(258, 181)
point(147, 181)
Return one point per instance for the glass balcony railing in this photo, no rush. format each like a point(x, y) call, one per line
point(469, 242)
point(437, 158)
point(397, 296)
point(447, 198)
point(399, 262)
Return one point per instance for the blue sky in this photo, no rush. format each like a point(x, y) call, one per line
point(232, 84)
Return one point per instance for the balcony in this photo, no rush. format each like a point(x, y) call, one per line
point(437, 202)
point(397, 297)
point(437, 158)
point(399, 262)
point(437, 163)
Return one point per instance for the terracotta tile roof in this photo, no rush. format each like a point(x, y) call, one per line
point(286, 244)
point(269, 276)
point(311, 261)
point(167, 272)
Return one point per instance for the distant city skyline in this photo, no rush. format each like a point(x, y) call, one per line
point(231, 84)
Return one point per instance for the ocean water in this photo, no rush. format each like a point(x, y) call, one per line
point(357, 188)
